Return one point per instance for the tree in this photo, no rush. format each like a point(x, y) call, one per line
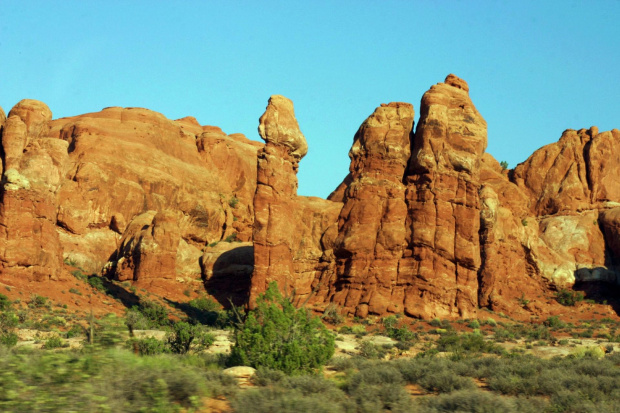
point(279, 336)
point(504, 165)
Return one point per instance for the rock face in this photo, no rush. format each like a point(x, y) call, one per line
point(430, 225)
point(274, 201)
point(124, 189)
point(424, 224)
point(371, 225)
point(32, 174)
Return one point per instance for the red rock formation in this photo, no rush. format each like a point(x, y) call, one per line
point(274, 201)
point(440, 275)
point(71, 185)
point(371, 225)
point(33, 166)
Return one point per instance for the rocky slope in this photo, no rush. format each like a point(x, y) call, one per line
point(426, 223)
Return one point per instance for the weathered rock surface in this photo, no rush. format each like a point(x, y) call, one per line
point(73, 186)
point(33, 166)
point(425, 223)
point(371, 224)
point(275, 198)
point(431, 226)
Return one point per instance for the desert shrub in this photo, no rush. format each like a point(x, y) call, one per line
point(278, 392)
point(76, 330)
point(554, 322)
point(38, 301)
point(204, 304)
point(332, 315)
point(8, 339)
point(445, 381)
point(379, 387)
point(370, 350)
point(282, 400)
point(184, 334)
point(277, 335)
point(88, 381)
point(473, 324)
point(5, 303)
point(8, 322)
point(135, 320)
point(466, 343)
point(148, 346)
point(389, 322)
point(107, 331)
point(568, 297)
point(475, 401)
point(53, 342)
point(97, 283)
point(156, 314)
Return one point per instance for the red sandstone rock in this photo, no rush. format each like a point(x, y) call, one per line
point(274, 201)
point(444, 205)
point(371, 225)
point(29, 243)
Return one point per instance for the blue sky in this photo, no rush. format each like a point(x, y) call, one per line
point(535, 68)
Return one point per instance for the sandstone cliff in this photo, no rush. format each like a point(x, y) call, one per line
point(425, 223)
point(431, 226)
point(124, 190)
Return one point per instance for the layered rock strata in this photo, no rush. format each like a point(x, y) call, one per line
point(431, 226)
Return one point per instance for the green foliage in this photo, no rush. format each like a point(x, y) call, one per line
point(370, 350)
point(148, 346)
point(277, 335)
point(504, 165)
point(232, 202)
point(8, 322)
point(5, 303)
point(53, 342)
point(38, 301)
point(97, 283)
point(204, 304)
point(88, 381)
point(231, 238)
point(184, 334)
point(568, 298)
point(156, 314)
point(554, 322)
point(76, 330)
point(467, 343)
point(107, 331)
point(389, 322)
point(8, 339)
point(332, 315)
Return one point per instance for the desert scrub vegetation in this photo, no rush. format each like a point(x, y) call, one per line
point(39, 381)
point(279, 336)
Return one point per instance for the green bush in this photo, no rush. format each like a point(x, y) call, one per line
point(53, 342)
point(148, 346)
point(38, 301)
point(184, 334)
point(5, 303)
point(97, 283)
point(568, 297)
point(8, 339)
point(332, 315)
point(156, 314)
point(277, 335)
point(370, 350)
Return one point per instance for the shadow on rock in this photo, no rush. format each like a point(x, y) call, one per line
point(226, 271)
point(599, 285)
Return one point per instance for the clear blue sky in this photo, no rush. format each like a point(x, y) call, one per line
point(535, 68)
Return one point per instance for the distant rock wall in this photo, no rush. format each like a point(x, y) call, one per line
point(431, 226)
point(425, 223)
point(125, 191)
